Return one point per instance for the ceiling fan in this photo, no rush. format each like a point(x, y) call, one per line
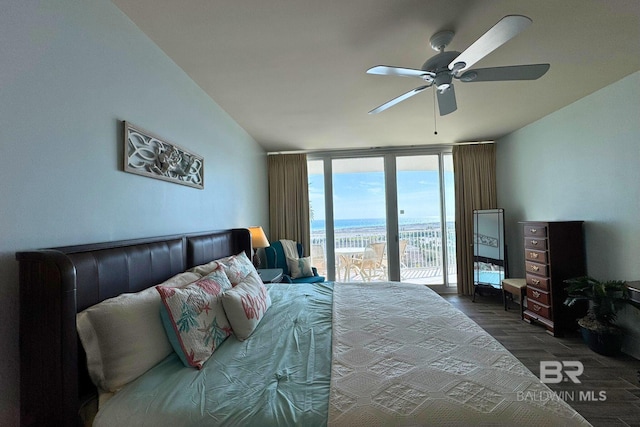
point(441, 69)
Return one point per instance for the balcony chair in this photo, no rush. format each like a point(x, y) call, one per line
point(318, 258)
point(403, 252)
point(370, 264)
point(277, 259)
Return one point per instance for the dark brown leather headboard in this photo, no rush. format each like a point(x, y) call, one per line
point(204, 248)
point(56, 284)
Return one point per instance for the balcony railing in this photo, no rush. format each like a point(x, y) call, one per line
point(422, 254)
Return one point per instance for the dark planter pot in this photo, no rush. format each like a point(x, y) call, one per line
point(607, 344)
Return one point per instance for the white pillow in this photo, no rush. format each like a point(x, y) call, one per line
point(207, 268)
point(300, 267)
point(123, 337)
point(204, 269)
point(239, 267)
point(245, 304)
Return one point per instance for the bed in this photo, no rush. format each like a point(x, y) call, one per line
point(322, 354)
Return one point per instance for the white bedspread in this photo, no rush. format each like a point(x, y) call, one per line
point(402, 355)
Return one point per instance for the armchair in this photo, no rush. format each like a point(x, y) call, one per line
point(277, 259)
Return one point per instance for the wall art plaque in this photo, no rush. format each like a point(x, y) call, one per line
point(149, 155)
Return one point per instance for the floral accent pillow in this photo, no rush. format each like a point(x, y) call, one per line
point(239, 267)
point(299, 267)
point(194, 318)
point(245, 305)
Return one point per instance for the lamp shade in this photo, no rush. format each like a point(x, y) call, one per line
point(258, 238)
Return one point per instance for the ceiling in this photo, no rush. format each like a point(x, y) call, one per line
point(292, 72)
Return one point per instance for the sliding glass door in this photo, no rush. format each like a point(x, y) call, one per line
point(317, 216)
point(384, 217)
point(426, 234)
point(419, 219)
point(359, 219)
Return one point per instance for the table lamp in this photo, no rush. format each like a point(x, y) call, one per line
point(258, 240)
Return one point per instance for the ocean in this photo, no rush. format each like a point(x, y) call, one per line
point(320, 224)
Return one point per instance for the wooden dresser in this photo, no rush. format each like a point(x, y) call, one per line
point(553, 252)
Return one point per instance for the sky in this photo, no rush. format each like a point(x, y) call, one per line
point(361, 195)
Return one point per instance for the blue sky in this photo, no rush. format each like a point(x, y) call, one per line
point(361, 195)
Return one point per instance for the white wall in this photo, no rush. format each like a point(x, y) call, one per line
point(581, 163)
point(70, 71)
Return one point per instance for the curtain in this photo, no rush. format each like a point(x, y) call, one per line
point(474, 169)
point(289, 199)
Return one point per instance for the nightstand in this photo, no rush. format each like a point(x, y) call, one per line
point(270, 275)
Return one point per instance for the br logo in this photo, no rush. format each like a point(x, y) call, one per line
point(553, 372)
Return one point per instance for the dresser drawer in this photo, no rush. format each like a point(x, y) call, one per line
point(536, 256)
point(539, 309)
point(535, 268)
point(535, 243)
point(541, 283)
point(534, 295)
point(553, 253)
point(535, 231)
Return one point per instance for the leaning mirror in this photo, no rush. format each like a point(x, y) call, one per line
point(489, 250)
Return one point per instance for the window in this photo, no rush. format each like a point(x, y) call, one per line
point(384, 216)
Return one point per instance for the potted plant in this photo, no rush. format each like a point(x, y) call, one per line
point(605, 298)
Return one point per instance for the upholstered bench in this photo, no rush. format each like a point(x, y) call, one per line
point(514, 287)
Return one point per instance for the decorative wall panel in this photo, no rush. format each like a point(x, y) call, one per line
point(149, 155)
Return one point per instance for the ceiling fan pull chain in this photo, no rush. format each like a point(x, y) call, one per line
point(435, 123)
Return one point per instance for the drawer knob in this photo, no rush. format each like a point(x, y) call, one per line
point(536, 294)
point(533, 230)
point(534, 242)
point(536, 307)
point(535, 268)
point(533, 255)
point(535, 281)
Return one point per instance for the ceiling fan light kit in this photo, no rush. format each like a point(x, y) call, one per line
point(442, 68)
point(443, 82)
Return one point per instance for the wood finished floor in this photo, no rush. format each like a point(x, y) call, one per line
point(618, 376)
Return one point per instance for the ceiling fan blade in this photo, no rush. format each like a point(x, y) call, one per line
point(515, 72)
point(399, 99)
point(386, 70)
point(506, 29)
point(447, 101)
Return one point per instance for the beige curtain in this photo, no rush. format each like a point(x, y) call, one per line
point(474, 169)
point(289, 199)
